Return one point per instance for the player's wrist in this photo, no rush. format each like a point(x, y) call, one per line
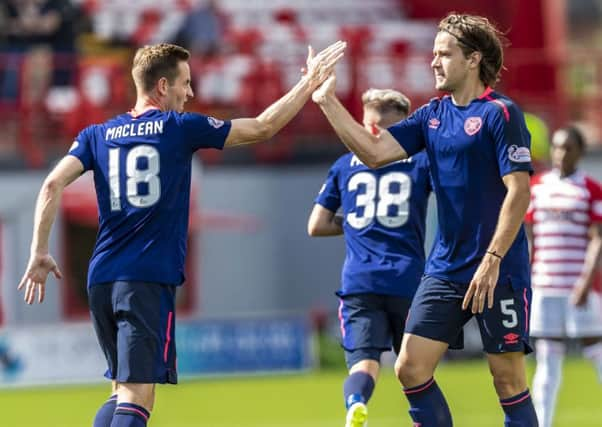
point(323, 98)
point(311, 80)
point(492, 253)
point(38, 251)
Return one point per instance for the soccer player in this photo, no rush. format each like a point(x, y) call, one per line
point(384, 213)
point(478, 149)
point(564, 226)
point(142, 170)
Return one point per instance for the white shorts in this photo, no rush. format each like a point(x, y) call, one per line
point(554, 316)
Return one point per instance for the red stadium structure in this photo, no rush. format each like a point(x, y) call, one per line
point(263, 49)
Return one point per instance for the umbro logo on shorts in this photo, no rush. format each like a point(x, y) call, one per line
point(511, 338)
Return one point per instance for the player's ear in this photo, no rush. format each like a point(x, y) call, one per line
point(475, 58)
point(162, 85)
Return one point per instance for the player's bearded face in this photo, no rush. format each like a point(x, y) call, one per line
point(449, 64)
point(180, 91)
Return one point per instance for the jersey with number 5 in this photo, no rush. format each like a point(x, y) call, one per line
point(142, 172)
point(384, 213)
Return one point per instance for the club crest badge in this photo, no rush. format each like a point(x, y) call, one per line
point(434, 123)
point(472, 125)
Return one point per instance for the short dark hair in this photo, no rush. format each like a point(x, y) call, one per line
point(478, 34)
point(156, 61)
point(574, 133)
point(386, 100)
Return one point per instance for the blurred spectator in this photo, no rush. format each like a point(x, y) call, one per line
point(29, 24)
point(202, 29)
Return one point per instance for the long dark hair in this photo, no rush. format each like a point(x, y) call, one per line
point(478, 34)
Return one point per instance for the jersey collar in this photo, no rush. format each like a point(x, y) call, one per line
point(488, 91)
point(136, 114)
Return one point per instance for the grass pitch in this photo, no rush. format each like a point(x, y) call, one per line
point(303, 400)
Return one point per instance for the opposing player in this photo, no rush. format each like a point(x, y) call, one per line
point(565, 231)
point(142, 169)
point(478, 149)
point(384, 213)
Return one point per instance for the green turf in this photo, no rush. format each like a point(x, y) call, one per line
point(299, 401)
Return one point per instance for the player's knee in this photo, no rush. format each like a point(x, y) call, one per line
point(508, 384)
point(139, 394)
point(410, 372)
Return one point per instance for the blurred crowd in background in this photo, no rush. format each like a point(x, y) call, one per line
point(65, 64)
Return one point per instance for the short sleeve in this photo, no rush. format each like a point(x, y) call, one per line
point(596, 201)
point(329, 195)
point(511, 139)
point(204, 131)
point(82, 148)
point(409, 132)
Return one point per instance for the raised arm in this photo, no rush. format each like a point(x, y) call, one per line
point(324, 222)
point(41, 262)
point(277, 115)
point(373, 149)
point(510, 219)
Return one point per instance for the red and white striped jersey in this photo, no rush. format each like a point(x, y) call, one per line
point(562, 209)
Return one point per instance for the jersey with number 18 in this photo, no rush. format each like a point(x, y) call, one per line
point(384, 213)
point(142, 173)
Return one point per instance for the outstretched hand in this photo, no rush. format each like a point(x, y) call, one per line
point(35, 276)
point(327, 88)
point(319, 67)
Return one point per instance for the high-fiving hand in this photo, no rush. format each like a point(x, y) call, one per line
point(35, 276)
point(319, 67)
point(327, 88)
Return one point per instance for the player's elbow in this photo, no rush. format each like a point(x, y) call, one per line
point(52, 185)
point(379, 154)
point(318, 226)
point(375, 160)
point(375, 163)
point(252, 132)
point(313, 229)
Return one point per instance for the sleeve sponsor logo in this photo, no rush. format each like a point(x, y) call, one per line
point(216, 123)
point(74, 146)
point(472, 125)
point(519, 154)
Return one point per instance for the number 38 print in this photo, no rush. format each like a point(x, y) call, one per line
point(384, 199)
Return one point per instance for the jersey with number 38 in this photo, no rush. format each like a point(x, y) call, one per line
point(384, 213)
point(142, 172)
